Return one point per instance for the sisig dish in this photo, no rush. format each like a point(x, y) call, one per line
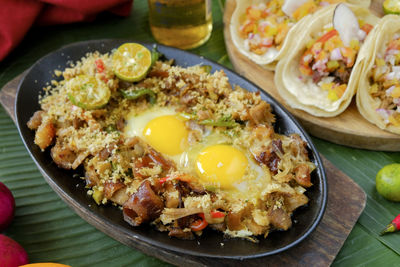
point(142, 172)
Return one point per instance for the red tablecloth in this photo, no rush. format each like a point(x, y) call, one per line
point(18, 16)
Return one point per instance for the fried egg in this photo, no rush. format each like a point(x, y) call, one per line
point(214, 161)
point(162, 128)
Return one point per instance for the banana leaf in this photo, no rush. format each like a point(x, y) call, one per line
point(50, 231)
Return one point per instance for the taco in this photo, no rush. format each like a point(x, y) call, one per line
point(378, 95)
point(320, 72)
point(260, 29)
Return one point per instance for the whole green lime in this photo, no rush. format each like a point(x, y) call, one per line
point(388, 182)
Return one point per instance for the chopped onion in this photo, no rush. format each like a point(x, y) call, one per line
point(390, 90)
point(390, 76)
point(307, 58)
point(346, 23)
point(336, 55)
point(264, 23)
point(12, 253)
point(396, 69)
point(397, 101)
point(323, 3)
point(267, 41)
point(7, 206)
point(384, 113)
point(361, 35)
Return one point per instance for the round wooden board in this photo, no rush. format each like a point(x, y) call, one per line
point(349, 128)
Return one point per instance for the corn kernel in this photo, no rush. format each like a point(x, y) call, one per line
point(327, 86)
point(395, 120)
point(339, 90)
point(374, 88)
point(355, 44)
point(332, 65)
point(380, 62)
point(396, 92)
point(332, 95)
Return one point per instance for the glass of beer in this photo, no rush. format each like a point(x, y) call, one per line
point(180, 23)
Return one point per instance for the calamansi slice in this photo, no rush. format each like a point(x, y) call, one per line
point(88, 92)
point(391, 7)
point(131, 62)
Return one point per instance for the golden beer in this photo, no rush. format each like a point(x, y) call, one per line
point(180, 23)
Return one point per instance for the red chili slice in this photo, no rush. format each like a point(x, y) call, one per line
point(199, 224)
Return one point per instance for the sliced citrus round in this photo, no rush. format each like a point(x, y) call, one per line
point(391, 7)
point(132, 62)
point(87, 92)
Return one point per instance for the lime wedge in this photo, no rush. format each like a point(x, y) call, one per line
point(87, 92)
point(131, 62)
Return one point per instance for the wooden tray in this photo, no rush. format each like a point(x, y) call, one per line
point(349, 128)
point(346, 201)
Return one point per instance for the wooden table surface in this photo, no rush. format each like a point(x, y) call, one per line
point(50, 231)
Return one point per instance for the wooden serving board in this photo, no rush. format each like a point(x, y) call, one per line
point(346, 201)
point(349, 128)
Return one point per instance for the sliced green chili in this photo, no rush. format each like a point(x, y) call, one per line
point(135, 94)
point(226, 121)
point(155, 55)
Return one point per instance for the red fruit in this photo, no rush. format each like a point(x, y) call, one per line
point(11, 253)
point(7, 206)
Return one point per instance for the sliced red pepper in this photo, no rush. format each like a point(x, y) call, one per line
point(99, 65)
point(327, 36)
point(200, 224)
point(217, 214)
point(163, 180)
point(367, 28)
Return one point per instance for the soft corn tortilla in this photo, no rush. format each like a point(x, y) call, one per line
point(380, 36)
point(305, 94)
point(268, 60)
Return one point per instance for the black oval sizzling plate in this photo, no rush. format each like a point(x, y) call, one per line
point(109, 218)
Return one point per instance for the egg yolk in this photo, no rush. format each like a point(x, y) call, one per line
point(222, 165)
point(167, 134)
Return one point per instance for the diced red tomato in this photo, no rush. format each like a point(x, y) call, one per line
point(305, 62)
point(394, 45)
point(99, 65)
point(264, 14)
point(367, 28)
point(267, 42)
point(199, 224)
point(249, 27)
point(327, 36)
point(306, 70)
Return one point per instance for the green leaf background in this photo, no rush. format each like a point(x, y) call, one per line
point(50, 231)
